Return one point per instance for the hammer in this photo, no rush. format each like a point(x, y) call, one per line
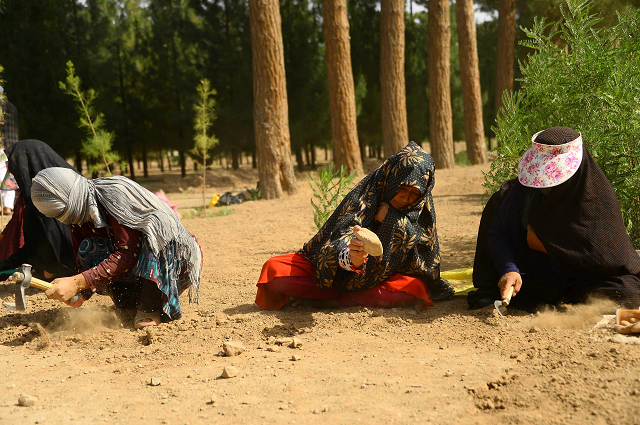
point(23, 280)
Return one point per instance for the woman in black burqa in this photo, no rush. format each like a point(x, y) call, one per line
point(555, 233)
point(47, 242)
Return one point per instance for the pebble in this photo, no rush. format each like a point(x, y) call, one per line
point(229, 372)
point(26, 401)
point(154, 382)
point(284, 341)
point(271, 340)
point(448, 373)
point(213, 399)
point(296, 358)
point(534, 329)
point(273, 349)
point(232, 348)
point(295, 343)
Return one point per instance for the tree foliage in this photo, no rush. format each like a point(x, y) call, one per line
point(331, 186)
point(588, 78)
point(99, 141)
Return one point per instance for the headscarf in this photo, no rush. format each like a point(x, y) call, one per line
point(26, 159)
point(73, 199)
point(579, 223)
point(408, 236)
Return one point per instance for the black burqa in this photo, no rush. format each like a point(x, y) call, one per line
point(408, 236)
point(47, 242)
point(581, 227)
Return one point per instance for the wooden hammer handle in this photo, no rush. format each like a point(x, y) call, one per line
point(40, 284)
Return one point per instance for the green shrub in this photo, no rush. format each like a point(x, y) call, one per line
point(328, 192)
point(586, 78)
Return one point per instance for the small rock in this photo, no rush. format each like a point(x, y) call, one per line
point(154, 382)
point(213, 399)
point(534, 329)
point(273, 349)
point(296, 358)
point(271, 340)
point(26, 401)
point(229, 372)
point(284, 341)
point(232, 348)
point(448, 373)
point(295, 343)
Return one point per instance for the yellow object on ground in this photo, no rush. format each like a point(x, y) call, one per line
point(460, 279)
point(214, 201)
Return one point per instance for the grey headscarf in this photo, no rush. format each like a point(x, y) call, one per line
point(72, 199)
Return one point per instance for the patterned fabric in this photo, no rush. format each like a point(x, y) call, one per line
point(73, 199)
point(161, 270)
point(408, 236)
point(345, 262)
point(9, 131)
point(548, 165)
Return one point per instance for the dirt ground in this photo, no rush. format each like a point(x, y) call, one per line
point(444, 365)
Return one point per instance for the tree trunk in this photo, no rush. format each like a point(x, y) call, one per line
point(234, 157)
point(395, 133)
point(79, 162)
point(160, 161)
point(145, 164)
point(169, 159)
point(506, 48)
point(254, 159)
point(346, 150)
point(299, 159)
point(440, 120)
point(313, 155)
point(183, 163)
point(270, 107)
point(470, 75)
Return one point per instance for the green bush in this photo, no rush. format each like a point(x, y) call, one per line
point(586, 78)
point(329, 192)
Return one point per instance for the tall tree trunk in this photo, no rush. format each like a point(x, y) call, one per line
point(254, 159)
point(270, 107)
point(342, 98)
point(169, 159)
point(183, 163)
point(440, 120)
point(235, 158)
point(506, 48)
point(160, 161)
point(125, 115)
point(470, 75)
point(145, 161)
point(299, 158)
point(79, 161)
point(395, 133)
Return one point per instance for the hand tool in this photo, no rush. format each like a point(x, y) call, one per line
point(504, 302)
point(24, 279)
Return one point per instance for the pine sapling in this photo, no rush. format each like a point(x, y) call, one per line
point(100, 141)
point(204, 118)
point(328, 192)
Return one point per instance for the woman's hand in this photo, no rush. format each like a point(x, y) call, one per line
point(533, 241)
point(356, 250)
point(383, 209)
point(507, 281)
point(65, 288)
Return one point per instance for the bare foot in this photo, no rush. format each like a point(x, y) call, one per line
point(144, 319)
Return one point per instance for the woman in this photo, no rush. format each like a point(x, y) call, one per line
point(30, 237)
point(556, 233)
point(130, 244)
point(395, 202)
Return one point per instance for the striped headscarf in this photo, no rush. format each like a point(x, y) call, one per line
point(73, 199)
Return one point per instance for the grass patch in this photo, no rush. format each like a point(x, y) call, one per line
point(462, 159)
point(189, 213)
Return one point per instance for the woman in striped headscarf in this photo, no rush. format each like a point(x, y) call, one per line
point(130, 245)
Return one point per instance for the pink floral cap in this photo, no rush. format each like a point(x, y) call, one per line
point(549, 165)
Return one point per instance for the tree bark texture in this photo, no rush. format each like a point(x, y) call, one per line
point(270, 106)
point(342, 96)
point(395, 132)
point(506, 48)
point(440, 118)
point(470, 75)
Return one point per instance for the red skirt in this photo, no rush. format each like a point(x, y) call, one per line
point(291, 275)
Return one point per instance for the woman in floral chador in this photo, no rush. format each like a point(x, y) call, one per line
point(555, 234)
point(393, 201)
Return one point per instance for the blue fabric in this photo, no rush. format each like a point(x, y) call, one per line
point(162, 271)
